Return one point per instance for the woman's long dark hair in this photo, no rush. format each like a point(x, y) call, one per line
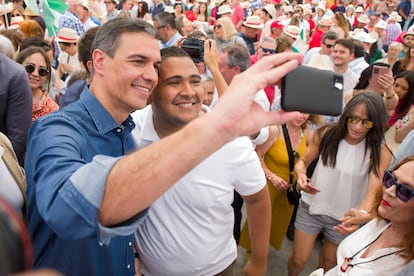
point(405, 103)
point(333, 134)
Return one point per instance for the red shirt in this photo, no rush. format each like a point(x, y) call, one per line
point(316, 39)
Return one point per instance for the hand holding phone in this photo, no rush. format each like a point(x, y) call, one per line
point(312, 189)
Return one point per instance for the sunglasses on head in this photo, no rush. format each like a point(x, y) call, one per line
point(266, 50)
point(365, 122)
point(30, 68)
point(403, 192)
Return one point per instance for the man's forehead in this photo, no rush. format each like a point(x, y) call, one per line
point(173, 66)
point(268, 45)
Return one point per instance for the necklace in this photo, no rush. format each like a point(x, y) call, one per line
point(347, 261)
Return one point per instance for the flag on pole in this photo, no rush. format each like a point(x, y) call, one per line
point(52, 10)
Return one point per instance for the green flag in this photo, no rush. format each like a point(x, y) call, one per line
point(32, 4)
point(52, 10)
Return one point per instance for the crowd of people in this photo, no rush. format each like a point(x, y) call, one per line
point(134, 131)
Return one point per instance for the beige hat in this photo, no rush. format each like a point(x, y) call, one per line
point(15, 22)
point(363, 18)
point(270, 9)
point(253, 21)
point(350, 7)
point(359, 9)
point(292, 31)
point(408, 33)
point(320, 61)
point(85, 4)
point(322, 7)
point(223, 10)
point(364, 37)
point(326, 20)
point(67, 35)
point(29, 12)
point(169, 9)
point(288, 9)
point(381, 25)
point(394, 16)
point(218, 2)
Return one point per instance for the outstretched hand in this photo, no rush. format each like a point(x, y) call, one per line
point(236, 111)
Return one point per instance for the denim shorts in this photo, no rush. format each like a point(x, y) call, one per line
point(314, 224)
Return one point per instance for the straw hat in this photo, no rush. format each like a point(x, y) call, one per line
point(292, 31)
point(322, 7)
point(363, 18)
point(364, 37)
point(223, 10)
point(320, 61)
point(350, 7)
point(15, 22)
point(408, 33)
point(394, 16)
point(288, 9)
point(29, 12)
point(381, 25)
point(270, 9)
point(169, 9)
point(359, 9)
point(253, 22)
point(67, 35)
point(325, 21)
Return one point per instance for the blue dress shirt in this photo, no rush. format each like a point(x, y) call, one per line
point(69, 155)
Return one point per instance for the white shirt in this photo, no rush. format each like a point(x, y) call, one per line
point(384, 266)
point(189, 229)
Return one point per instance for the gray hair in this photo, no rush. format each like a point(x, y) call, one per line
point(331, 35)
point(107, 37)
point(237, 55)
point(165, 18)
point(396, 44)
point(6, 47)
point(268, 39)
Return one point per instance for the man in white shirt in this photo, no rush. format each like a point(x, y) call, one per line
point(188, 230)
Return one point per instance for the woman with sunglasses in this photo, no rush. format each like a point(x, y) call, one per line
point(37, 65)
point(225, 33)
point(385, 245)
point(348, 151)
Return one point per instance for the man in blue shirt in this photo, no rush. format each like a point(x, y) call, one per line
point(87, 189)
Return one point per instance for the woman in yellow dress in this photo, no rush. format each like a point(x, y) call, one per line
point(274, 158)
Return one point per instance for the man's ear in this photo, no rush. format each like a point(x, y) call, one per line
point(237, 69)
point(98, 61)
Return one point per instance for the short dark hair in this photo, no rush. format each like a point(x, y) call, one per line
point(347, 43)
point(107, 37)
point(85, 45)
point(35, 41)
point(173, 51)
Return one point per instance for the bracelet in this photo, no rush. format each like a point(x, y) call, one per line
point(389, 97)
point(269, 175)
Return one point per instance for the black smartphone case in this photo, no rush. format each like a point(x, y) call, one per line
point(311, 90)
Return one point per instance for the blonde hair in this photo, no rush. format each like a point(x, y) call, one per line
point(228, 28)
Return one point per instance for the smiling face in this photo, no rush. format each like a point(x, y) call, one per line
point(401, 87)
point(391, 207)
point(126, 80)
point(341, 55)
point(37, 60)
point(357, 132)
point(178, 97)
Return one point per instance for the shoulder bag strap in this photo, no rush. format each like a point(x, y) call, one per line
point(289, 150)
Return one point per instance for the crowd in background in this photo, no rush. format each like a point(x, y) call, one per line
point(353, 172)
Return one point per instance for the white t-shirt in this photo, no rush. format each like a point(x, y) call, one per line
point(384, 266)
point(189, 229)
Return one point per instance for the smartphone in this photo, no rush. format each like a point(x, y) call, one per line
point(377, 70)
point(312, 188)
point(311, 90)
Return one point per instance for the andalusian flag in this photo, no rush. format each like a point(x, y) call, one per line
point(52, 10)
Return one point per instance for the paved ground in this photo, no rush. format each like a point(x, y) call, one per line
point(277, 262)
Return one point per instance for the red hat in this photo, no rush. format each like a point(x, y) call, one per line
point(277, 24)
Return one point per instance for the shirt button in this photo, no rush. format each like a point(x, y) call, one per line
point(128, 266)
point(130, 243)
point(118, 130)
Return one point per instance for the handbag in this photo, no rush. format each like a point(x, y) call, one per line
point(293, 194)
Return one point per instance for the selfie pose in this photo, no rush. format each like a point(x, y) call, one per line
point(348, 151)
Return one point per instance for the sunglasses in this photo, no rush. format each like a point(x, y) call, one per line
point(266, 50)
point(30, 68)
point(218, 26)
point(403, 192)
point(329, 46)
point(365, 122)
